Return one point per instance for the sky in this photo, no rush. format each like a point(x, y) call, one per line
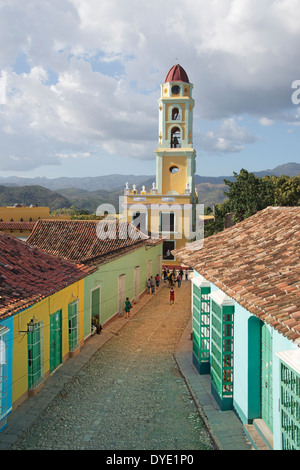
point(80, 82)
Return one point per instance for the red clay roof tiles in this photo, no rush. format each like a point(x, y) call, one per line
point(257, 263)
point(28, 275)
point(85, 240)
point(16, 225)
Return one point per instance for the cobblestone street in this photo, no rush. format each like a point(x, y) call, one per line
point(130, 395)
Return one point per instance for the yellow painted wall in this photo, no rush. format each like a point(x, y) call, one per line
point(18, 233)
point(41, 312)
point(174, 181)
point(16, 213)
point(153, 221)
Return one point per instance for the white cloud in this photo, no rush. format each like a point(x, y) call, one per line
point(88, 73)
point(266, 122)
point(228, 138)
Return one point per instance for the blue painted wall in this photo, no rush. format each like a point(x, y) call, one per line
point(8, 323)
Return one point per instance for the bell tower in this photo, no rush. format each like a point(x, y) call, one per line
point(175, 156)
point(168, 210)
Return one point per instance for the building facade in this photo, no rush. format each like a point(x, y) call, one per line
point(122, 259)
point(246, 322)
point(41, 318)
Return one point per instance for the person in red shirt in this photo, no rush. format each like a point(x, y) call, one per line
point(172, 296)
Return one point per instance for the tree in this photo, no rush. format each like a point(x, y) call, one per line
point(287, 191)
point(250, 194)
point(217, 224)
point(247, 195)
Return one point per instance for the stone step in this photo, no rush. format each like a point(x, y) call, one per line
point(255, 438)
point(264, 431)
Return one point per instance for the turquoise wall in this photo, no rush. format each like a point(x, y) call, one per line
point(107, 278)
point(246, 376)
point(247, 368)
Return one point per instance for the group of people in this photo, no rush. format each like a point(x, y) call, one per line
point(172, 277)
point(169, 276)
point(152, 283)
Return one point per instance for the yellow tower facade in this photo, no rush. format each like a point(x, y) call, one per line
point(168, 210)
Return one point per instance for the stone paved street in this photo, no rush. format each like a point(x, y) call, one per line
point(130, 395)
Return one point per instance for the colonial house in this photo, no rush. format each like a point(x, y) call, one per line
point(41, 318)
point(19, 230)
point(123, 258)
point(246, 322)
point(18, 220)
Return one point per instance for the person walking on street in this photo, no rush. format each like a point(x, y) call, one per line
point(128, 307)
point(186, 275)
point(157, 280)
point(148, 285)
point(152, 282)
point(172, 296)
point(178, 280)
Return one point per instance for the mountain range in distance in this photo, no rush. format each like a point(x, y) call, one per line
point(88, 193)
point(117, 182)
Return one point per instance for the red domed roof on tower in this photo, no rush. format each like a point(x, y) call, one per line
point(177, 74)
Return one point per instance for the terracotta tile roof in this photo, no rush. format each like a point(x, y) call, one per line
point(17, 225)
point(85, 240)
point(28, 275)
point(257, 263)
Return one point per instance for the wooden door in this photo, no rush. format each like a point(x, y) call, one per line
point(121, 294)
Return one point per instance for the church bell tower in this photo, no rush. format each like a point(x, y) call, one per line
point(168, 210)
point(175, 156)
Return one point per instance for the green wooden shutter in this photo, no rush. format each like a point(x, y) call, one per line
point(290, 408)
point(266, 377)
point(222, 316)
point(73, 325)
point(34, 357)
point(201, 324)
point(55, 340)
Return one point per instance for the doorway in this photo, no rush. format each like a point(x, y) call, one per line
point(96, 307)
point(55, 340)
point(121, 294)
point(136, 284)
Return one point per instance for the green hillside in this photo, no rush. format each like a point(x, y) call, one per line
point(28, 195)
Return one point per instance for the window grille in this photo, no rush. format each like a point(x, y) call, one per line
point(35, 347)
point(222, 349)
point(290, 408)
point(74, 325)
point(201, 326)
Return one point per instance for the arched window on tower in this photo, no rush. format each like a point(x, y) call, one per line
point(175, 114)
point(175, 138)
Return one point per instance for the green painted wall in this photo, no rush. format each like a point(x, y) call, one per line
point(107, 278)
